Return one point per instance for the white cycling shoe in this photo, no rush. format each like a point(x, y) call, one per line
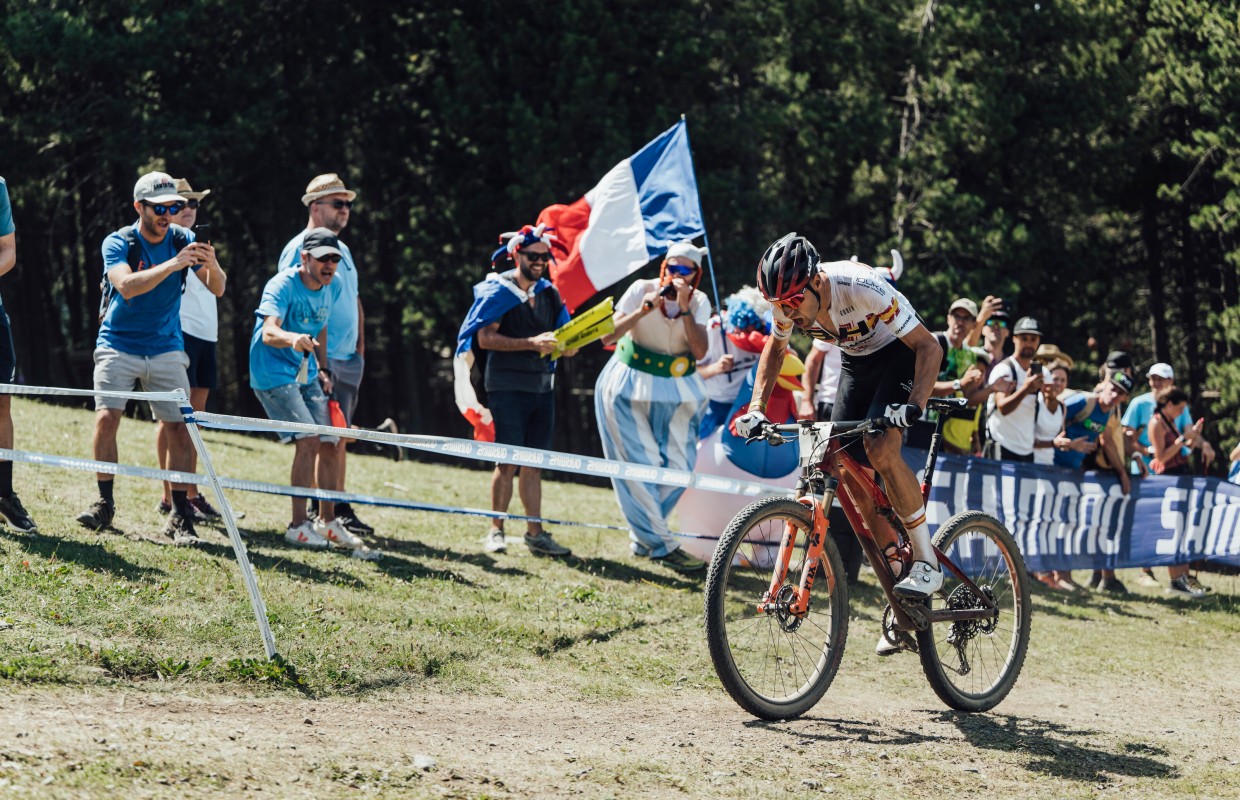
point(922, 581)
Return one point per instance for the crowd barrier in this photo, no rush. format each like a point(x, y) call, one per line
point(1062, 519)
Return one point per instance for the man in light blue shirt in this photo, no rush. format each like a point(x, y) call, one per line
point(329, 204)
point(288, 351)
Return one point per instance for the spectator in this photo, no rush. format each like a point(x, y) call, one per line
point(1117, 361)
point(1233, 472)
point(12, 512)
point(519, 381)
point(1088, 416)
point(962, 373)
point(1048, 424)
point(1168, 442)
point(734, 342)
point(145, 269)
point(1141, 410)
point(1011, 410)
point(287, 352)
point(994, 332)
point(329, 204)
point(649, 399)
point(199, 331)
point(822, 380)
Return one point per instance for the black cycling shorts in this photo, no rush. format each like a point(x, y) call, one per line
point(868, 384)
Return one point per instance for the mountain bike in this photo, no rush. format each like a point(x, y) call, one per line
point(776, 597)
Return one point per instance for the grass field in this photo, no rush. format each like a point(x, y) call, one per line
point(133, 669)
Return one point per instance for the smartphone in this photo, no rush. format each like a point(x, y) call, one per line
point(669, 291)
point(202, 233)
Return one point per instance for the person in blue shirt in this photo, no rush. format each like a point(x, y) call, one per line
point(12, 513)
point(289, 374)
point(139, 338)
point(330, 205)
point(1137, 416)
point(1087, 417)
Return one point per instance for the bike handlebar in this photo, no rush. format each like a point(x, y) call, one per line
point(772, 433)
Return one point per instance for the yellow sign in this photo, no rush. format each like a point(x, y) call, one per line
point(585, 328)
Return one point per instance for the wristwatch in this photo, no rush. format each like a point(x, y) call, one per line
point(956, 384)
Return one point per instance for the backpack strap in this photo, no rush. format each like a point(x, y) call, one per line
point(1091, 402)
point(180, 239)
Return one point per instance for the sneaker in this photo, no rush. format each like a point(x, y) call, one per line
point(904, 641)
point(1183, 587)
point(164, 508)
point(337, 534)
point(923, 580)
point(201, 505)
point(494, 542)
point(349, 519)
point(180, 529)
point(312, 509)
point(1193, 583)
point(98, 516)
point(13, 514)
point(681, 561)
point(544, 545)
point(304, 535)
point(1147, 579)
point(364, 553)
point(1112, 586)
point(1095, 579)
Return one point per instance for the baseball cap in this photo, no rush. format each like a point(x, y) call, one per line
point(1122, 380)
point(687, 250)
point(1161, 370)
point(1118, 359)
point(1027, 325)
point(323, 185)
point(157, 187)
point(187, 191)
point(321, 242)
point(966, 304)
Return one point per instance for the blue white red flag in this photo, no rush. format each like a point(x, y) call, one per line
point(639, 208)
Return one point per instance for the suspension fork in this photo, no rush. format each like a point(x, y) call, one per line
point(799, 603)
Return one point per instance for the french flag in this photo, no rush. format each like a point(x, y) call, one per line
point(639, 208)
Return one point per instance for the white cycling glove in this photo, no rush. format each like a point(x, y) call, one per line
point(902, 415)
point(750, 422)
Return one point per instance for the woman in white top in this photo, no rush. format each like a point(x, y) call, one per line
point(649, 399)
point(1048, 427)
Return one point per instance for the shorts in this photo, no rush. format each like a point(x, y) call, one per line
point(346, 381)
point(8, 354)
point(121, 372)
point(293, 402)
point(868, 384)
point(201, 369)
point(523, 419)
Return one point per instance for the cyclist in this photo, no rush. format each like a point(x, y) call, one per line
point(850, 305)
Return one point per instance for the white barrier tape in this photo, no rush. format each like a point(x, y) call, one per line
point(506, 454)
point(158, 397)
point(107, 467)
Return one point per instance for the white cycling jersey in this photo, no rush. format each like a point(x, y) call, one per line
point(860, 301)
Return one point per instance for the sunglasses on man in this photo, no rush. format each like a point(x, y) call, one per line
point(161, 209)
point(336, 204)
point(327, 259)
point(996, 323)
point(191, 204)
point(535, 258)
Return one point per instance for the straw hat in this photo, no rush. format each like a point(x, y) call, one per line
point(323, 185)
point(1051, 352)
point(186, 191)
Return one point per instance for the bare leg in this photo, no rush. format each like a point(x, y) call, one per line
point(161, 451)
point(531, 497)
point(198, 400)
point(107, 422)
point(303, 472)
point(180, 448)
point(902, 489)
point(501, 491)
point(326, 477)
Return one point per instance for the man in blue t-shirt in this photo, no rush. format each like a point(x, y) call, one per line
point(288, 372)
point(12, 513)
point(329, 204)
point(139, 338)
point(1087, 416)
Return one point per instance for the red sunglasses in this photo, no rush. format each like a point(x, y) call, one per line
point(792, 302)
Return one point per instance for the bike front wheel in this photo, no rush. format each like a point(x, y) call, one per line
point(973, 664)
point(774, 664)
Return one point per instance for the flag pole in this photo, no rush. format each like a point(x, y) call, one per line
point(710, 261)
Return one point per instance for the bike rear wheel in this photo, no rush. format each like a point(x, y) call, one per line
point(973, 664)
point(773, 664)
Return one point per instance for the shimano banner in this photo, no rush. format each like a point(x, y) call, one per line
point(1064, 519)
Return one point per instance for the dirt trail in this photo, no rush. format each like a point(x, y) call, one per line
point(135, 743)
